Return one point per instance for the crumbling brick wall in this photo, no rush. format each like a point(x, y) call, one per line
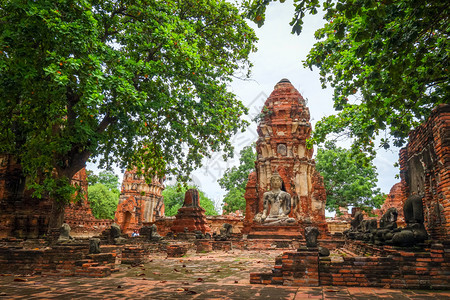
point(425, 170)
point(24, 216)
point(21, 215)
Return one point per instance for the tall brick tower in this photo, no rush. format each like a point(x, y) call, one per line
point(139, 202)
point(281, 148)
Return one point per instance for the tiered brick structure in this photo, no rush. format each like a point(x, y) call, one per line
point(191, 215)
point(139, 202)
point(281, 148)
point(425, 170)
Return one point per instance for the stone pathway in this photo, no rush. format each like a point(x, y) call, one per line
point(216, 275)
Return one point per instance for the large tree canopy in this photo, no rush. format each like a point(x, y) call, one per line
point(393, 56)
point(174, 199)
point(140, 83)
point(235, 179)
point(348, 181)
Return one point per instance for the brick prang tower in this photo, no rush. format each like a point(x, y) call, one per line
point(281, 148)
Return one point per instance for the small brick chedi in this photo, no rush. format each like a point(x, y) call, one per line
point(139, 202)
point(282, 154)
point(191, 216)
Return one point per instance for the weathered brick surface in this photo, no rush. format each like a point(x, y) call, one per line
point(79, 214)
point(191, 216)
point(24, 216)
point(281, 148)
point(221, 245)
point(425, 170)
point(177, 250)
point(395, 268)
point(58, 260)
point(139, 202)
point(396, 198)
point(299, 268)
point(214, 222)
point(135, 255)
point(428, 269)
point(21, 215)
point(204, 246)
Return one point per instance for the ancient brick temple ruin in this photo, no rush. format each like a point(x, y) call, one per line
point(24, 216)
point(139, 201)
point(425, 170)
point(378, 253)
point(285, 213)
point(21, 215)
point(281, 150)
point(78, 215)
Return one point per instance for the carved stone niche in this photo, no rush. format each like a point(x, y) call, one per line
point(282, 149)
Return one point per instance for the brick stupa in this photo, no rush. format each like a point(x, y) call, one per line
point(281, 148)
point(191, 216)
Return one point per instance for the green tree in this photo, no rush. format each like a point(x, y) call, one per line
point(103, 201)
point(174, 199)
point(348, 180)
point(394, 55)
point(107, 178)
point(140, 83)
point(235, 179)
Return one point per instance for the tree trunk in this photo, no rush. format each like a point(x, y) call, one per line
point(56, 218)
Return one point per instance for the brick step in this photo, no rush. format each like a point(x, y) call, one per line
point(90, 265)
point(97, 271)
point(273, 235)
point(345, 252)
point(81, 262)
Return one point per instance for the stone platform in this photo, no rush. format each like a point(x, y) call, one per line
point(296, 231)
point(275, 232)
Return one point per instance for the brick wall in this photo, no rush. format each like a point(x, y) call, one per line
point(400, 269)
point(214, 222)
point(425, 170)
point(299, 268)
point(24, 216)
point(59, 260)
point(386, 267)
point(426, 269)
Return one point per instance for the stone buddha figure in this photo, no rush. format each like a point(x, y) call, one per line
point(276, 205)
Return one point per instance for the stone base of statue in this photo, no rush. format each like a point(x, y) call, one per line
point(288, 231)
point(265, 231)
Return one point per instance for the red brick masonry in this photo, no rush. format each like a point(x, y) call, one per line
point(428, 269)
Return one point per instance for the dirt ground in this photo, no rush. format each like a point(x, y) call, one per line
point(215, 275)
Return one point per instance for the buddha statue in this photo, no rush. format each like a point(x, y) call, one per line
point(276, 205)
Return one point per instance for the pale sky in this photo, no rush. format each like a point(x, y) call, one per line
point(280, 55)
